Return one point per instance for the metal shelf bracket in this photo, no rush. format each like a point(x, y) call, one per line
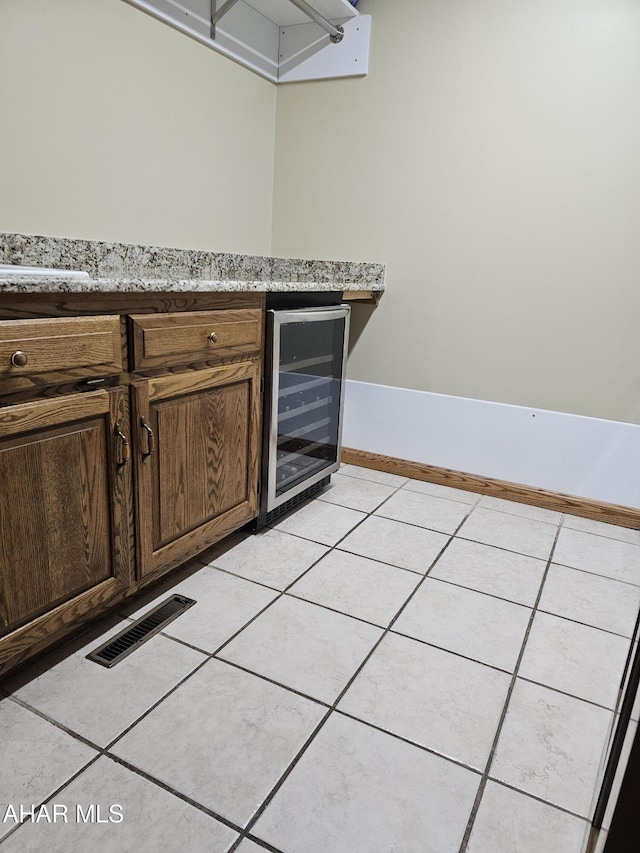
point(216, 14)
point(336, 32)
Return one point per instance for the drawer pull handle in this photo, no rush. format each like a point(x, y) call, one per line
point(212, 338)
point(19, 359)
point(151, 439)
point(125, 450)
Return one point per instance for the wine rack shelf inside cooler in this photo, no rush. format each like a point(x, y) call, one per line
point(304, 418)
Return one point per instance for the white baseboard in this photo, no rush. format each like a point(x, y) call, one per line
point(572, 454)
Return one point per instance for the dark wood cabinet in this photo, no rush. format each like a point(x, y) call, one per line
point(102, 491)
point(197, 456)
point(164, 340)
point(63, 513)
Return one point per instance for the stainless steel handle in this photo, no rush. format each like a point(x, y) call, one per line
point(151, 439)
point(125, 449)
point(309, 315)
point(212, 338)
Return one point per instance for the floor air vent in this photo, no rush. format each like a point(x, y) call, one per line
point(127, 641)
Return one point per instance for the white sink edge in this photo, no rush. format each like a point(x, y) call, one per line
point(11, 270)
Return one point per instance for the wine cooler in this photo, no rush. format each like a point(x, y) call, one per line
point(304, 392)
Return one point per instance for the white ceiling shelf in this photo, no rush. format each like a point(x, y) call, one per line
point(274, 37)
point(285, 14)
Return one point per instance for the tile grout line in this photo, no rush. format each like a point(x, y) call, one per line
point(259, 842)
point(246, 831)
point(417, 491)
point(75, 735)
point(178, 794)
point(442, 533)
point(388, 629)
point(427, 573)
point(105, 751)
point(565, 693)
point(540, 800)
point(604, 535)
point(210, 656)
point(280, 781)
point(482, 495)
point(286, 591)
point(432, 530)
point(463, 538)
point(334, 547)
point(280, 594)
point(54, 793)
point(496, 668)
point(400, 490)
point(480, 591)
point(529, 606)
point(367, 514)
point(283, 777)
point(265, 803)
point(515, 515)
point(328, 706)
point(597, 574)
point(341, 612)
point(443, 580)
point(269, 680)
point(585, 624)
point(428, 749)
point(503, 715)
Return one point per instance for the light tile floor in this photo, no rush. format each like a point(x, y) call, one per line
point(395, 666)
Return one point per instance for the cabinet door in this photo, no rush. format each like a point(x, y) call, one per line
point(197, 456)
point(64, 545)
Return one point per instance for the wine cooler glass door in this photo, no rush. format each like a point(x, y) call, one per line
point(308, 361)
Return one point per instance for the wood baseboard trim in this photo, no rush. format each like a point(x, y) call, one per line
point(609, 513)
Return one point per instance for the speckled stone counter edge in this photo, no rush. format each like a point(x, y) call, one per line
point(129, 268)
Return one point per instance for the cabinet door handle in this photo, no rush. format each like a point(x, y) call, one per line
point(125, 450)
point(19, 359)
point(151, 439)
point(212, 338)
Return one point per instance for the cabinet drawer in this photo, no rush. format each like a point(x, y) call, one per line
point(160, 340)
point(32, 347)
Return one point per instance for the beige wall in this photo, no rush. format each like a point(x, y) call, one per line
point(113, 126)
point(492, 160)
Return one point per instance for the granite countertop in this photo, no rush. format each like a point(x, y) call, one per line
point(125, 268)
